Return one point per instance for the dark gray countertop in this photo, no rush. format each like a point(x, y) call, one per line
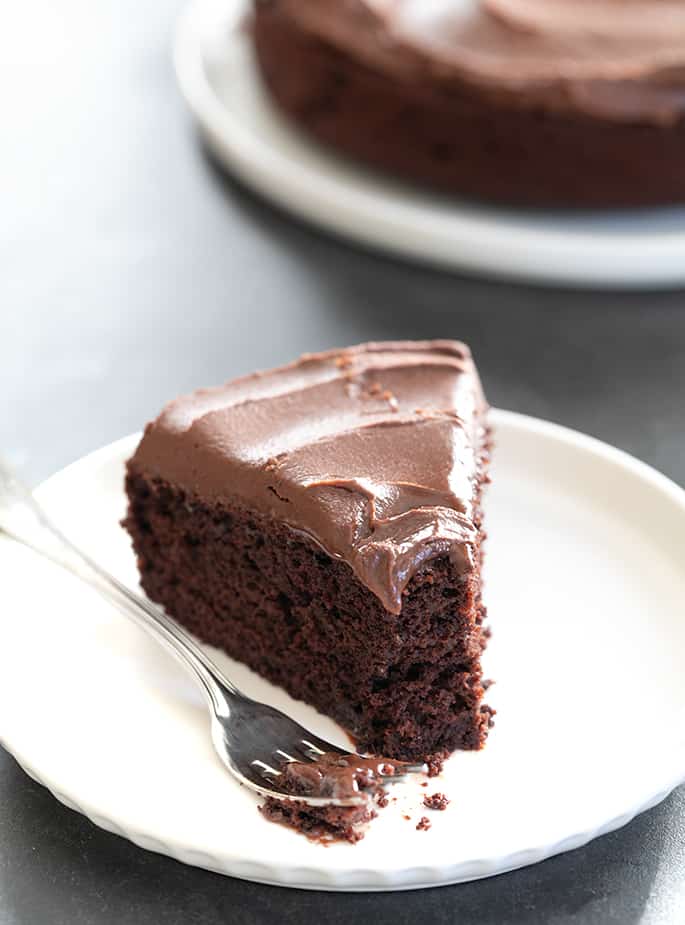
point(133, 270)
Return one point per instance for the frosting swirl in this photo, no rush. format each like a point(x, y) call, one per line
point(372, 451)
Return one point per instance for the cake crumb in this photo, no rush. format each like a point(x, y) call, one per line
point(425, 783)
point(435, 766)
point(423, 824)
point(436, 801)
point(408, 818)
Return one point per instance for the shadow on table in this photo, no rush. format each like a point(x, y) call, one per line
point(57, 868)
point(331, 257)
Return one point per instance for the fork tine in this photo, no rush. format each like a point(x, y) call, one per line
point(318, 747)
point(402, 771)
point(265, 770)
point(284, 757)
point(312, 748)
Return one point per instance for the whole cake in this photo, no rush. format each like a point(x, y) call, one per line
point(540, 102)
point(322, 523)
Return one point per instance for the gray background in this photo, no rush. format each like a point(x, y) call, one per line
point(133, 270)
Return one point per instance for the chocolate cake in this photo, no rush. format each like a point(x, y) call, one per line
point(321, 823)
point(337, 777)
point(542, 102)
point(322, 523)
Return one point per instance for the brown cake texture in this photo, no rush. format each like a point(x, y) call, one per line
point(436, 801)
point(535, 102)
point(322, 523)
point(322, 823)
point(336, 777)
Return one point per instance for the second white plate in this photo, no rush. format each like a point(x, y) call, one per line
point(585, 585)
point(221, 84)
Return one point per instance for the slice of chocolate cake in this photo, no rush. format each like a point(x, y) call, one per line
point(321, 522)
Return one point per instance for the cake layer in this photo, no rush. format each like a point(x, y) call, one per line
point(405, 686)
point(547, 102)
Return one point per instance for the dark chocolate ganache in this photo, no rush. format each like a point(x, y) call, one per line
point(374, 452)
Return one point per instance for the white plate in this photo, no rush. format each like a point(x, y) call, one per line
point(585, 585)
point(220, 82)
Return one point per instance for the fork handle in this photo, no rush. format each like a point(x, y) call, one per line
point(22, 519)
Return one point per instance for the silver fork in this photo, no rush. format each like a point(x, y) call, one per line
point(252, 739)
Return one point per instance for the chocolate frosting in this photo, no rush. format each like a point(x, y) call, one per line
point(618, 59)
point(339, 777)
point(372, 451)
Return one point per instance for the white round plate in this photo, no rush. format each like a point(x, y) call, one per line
point(221, 84)
point(585, 584)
